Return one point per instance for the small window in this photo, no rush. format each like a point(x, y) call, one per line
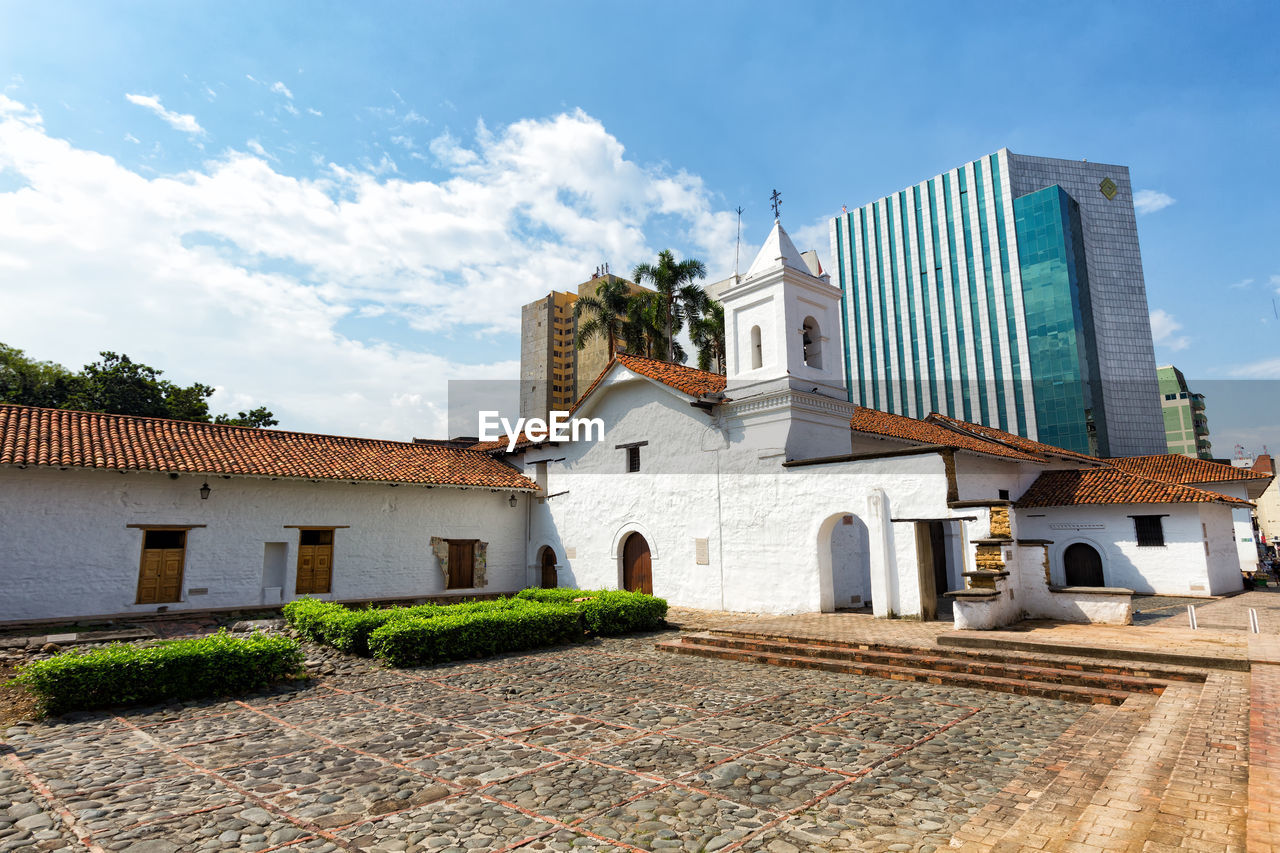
point(633, 460)
point(812, 343)
point(1004, 494)
point(165, 539)
point(1150, 530)
point(757, 351)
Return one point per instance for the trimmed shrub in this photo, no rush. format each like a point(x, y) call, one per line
point(345, 629)
point(172, 670)
point(475, 632)
point(607, 611)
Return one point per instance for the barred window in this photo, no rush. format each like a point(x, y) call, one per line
point(1150, 530)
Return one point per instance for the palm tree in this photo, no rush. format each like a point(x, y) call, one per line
point(607, 312)
point(674, 283)
point(707, 333)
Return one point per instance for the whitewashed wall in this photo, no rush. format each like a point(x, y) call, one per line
point(65, 549)
point(764, 523)
point(1180, 567)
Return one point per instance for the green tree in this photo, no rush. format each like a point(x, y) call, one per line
point(606, 314)
point(34, 383)
point(643, 329)
point(259, 417)
point(115, 384)
point(679, 294)
point(706, 331)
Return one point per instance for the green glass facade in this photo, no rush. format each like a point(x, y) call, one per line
point(1054, 289)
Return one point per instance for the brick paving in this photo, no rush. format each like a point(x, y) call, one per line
point(614, 746)
point(607, 746)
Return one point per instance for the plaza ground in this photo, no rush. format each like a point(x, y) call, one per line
point(615, 745)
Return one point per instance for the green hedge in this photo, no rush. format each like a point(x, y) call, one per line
point(343, 628)
point(173, 670)
point(454, 634)
point(606, 612)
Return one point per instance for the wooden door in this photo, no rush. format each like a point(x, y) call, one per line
point(160, 574)
point(462, 561)
point(315, 562)
point(549, 577)
point(637, 573)
point(1083, 565)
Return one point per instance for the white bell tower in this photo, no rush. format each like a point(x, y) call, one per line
point(781, 320)
point(785, 352)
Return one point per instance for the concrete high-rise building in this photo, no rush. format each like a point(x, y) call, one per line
point(553, 371)
point(1009, 292)
point(1186, 428)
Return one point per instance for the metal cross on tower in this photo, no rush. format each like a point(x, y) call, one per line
point(776, 201)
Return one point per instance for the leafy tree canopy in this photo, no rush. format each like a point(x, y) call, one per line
point(114, 384)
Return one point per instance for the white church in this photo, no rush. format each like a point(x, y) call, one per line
point(763, 490)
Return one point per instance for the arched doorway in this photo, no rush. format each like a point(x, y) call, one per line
point(637, 572)
point(844, 563)
point(1082, 565)
point(548, 560)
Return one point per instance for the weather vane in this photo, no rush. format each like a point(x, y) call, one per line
point(776, 201)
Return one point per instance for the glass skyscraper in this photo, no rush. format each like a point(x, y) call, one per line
point(1007, 292)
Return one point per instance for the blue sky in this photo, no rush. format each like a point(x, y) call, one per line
point(334, 208)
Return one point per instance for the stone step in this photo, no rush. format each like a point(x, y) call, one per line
point(1141, 669)
point(1126, 804)
point(1045, 814)
point(1027, 669)
point(1023, 687)
point(1128, 655)
point(1007, 807)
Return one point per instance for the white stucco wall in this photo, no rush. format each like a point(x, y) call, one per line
point(768, 528)
point(1180, 567)
point(65, 549)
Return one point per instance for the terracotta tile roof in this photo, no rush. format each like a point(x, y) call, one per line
point(1009, 439)
point(61, 438)
point(899, 426)
point(1263, 464)
point(1111, 486)
point(1176, 468)
point(688, 380)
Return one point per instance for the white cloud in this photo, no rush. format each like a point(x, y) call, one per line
point(178, 121)
point(238, 275)
point(1149, 201)
point(1266, 369)
point(281, 89)
point(1164, 331)
point(1241, 284)
point(256, 147)
point(1275, 282)
point(314, 112)
point(129, 137)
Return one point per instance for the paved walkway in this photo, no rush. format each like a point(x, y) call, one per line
point(613, 746)
point(609, 746)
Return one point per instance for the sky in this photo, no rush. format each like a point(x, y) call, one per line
point(334, 209)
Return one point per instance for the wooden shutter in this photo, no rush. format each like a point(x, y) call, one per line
point(315, 562)
point(160, 571)
point(462, 557)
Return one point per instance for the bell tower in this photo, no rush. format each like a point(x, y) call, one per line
point(783, 321)
point(785, 354)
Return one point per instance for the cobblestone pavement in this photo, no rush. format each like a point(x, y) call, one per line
point(606, 746)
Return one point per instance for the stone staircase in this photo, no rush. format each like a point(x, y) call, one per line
point(1154, 774)
point(1071, 678)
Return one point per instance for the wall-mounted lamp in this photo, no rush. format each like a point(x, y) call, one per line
point(512, 501)
point(204, 492)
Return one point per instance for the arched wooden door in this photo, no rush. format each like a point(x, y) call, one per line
point(637, 574)
point(549, 577)
point(1082, 565)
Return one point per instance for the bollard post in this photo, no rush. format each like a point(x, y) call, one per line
point(1253, 620)
point(1191, 615)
